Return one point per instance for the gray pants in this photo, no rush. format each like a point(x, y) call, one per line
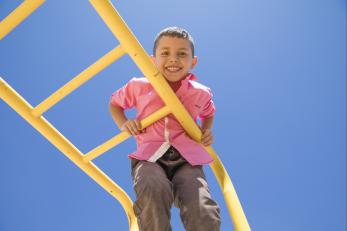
point(173, 180)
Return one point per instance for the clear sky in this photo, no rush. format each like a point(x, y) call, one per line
point(278, 73)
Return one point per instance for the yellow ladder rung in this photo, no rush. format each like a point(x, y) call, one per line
point(79, 80)
point(18, 15)
point(124, 135)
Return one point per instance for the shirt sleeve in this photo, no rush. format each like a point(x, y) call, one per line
point(209, 108)
point(125, 97)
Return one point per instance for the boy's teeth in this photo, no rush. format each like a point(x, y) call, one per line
point(173, 68)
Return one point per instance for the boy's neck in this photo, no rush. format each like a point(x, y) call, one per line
point(175, 85)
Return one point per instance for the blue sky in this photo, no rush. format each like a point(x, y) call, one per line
point(278, 73)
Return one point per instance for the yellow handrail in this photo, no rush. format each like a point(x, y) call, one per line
point(130, 45)
point(18, 15)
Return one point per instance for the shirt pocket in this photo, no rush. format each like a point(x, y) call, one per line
point(194, 108)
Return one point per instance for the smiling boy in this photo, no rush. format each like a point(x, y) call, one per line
point(167, 166)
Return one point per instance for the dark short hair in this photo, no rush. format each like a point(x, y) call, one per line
point(175, 32)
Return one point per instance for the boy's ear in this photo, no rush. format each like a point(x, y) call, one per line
point(194, 62)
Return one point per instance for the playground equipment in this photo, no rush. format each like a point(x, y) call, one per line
point(128, 45)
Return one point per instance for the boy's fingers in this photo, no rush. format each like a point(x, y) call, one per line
point(207, 136)
point(132, 126)
point(206, 132)
point(128, 128)
point(208, 142)
point(207, 139)
point(138, 125)
point(134, 129)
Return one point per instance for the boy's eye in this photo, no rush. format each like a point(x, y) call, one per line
point(164, 53)
point(182, 54)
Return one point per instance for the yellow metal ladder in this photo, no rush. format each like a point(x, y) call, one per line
point(128, 45)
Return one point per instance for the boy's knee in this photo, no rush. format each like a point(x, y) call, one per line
point(152, 188)
point(201, 211)
point(201, 217)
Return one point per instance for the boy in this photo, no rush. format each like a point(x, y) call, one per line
point(167, 167)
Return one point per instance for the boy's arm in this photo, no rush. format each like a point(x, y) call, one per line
point(207, 123)
point(118, 115)
point(123, 123)
point(206, 126)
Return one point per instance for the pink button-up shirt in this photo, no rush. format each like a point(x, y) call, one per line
point(158, 137)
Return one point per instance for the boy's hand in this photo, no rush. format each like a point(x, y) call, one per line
point(207, 137)
point(132, 126)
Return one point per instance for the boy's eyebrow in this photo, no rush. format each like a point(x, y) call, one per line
point(168, 48)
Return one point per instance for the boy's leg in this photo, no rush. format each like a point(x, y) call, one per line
point(154, 196)
point(198, 211)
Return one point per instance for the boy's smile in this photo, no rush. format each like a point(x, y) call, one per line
point(173, 57)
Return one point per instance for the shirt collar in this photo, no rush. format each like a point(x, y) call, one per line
point(185, 83)
point(190, 76)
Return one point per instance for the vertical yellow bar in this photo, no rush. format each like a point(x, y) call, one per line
point(18, 15)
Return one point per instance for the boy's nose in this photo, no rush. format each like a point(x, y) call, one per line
point(173, 58)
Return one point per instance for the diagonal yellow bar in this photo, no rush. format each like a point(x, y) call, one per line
point(14, 100)
point(119, 28)
point(80, 79)
point(125, 135)
point(18, 15)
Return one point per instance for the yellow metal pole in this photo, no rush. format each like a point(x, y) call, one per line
point(125, 135)
point(80, 79)
point(23, 108)
point(18, 15)
point(119, 28)
point(231, 199)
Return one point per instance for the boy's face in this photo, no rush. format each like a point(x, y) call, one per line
point(173, 57)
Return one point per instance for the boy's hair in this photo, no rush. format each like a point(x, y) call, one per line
point(175, 32)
